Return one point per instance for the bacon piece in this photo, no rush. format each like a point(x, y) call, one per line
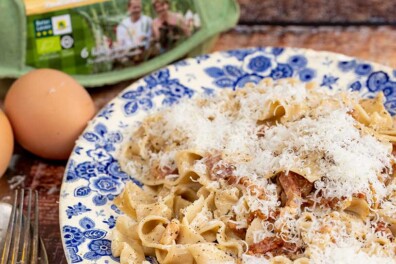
point(383, 228)
point(248, 184)
point(290, 188)
point(288, 249)
point(303, 184)
point(295, 187)
point(211, 160)
point(161, 173)
point(241, 232)
point(266, 245)
point(332, 203)
point(219, 169)
point(360, 195)
point(253, 188)
point(274, 245)
point(273, 215)
point(222, 170)
point(254, 215)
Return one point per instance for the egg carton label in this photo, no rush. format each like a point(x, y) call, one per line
point(95, 36)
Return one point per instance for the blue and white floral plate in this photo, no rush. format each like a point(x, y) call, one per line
point(93, 177)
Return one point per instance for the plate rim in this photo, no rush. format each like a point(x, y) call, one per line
point(309, 52)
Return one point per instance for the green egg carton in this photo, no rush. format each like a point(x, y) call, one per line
point(43, 40)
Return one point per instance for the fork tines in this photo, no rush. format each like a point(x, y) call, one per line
point(21, 241)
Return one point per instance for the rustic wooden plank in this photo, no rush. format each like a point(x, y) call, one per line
point(317, 11)
point(49, 227)
point(371, 43)
point(46, 177)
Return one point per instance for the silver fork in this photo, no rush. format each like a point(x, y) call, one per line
point(22, 239)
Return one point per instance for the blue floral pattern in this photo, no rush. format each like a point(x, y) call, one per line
point(355, 86)
point(98, 248)
point(116, 209)
point(103, 177)
point(106, 111)
point(76, 209)
point(231, 77)
point(75, 236)
point(158, 84)
point(363, 69)
point(328, 81)
point(281, 71)
point(259, 63)
point(93, 177)
point(111, 222)
point(297, 61)
point(105, 185)
point(346, 66)
point(102, 173)
point(377, 80)
point(240, 54)
point(307, 74)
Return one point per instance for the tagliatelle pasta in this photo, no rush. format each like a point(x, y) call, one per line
point(279, 172)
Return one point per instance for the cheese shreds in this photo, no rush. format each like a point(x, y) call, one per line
point(348, 255)
point(248, 259)
point(296, 170)
point(348, 162)
point(346, 159)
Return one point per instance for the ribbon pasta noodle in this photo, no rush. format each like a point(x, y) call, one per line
point(279, 172)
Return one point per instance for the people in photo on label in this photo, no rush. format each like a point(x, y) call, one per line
point(136, 29)
point(168, 26)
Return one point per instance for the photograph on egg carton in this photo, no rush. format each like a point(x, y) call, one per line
point(106, 35)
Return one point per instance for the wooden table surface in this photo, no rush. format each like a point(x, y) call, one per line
point(367, 40)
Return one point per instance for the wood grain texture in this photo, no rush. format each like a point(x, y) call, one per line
point(370, 43)
point(317, 11)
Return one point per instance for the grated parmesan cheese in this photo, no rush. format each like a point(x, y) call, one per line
point(322, 142)
point(348, 255)
point(348, 160)
point(248, 259)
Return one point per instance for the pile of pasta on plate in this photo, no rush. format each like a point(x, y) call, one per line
point(278, 172)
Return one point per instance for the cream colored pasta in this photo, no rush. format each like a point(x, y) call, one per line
point(279, 172)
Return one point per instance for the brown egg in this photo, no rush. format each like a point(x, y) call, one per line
point(48, 110)
point(6, 143)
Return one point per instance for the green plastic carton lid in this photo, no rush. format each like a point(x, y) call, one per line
point(215, 16)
